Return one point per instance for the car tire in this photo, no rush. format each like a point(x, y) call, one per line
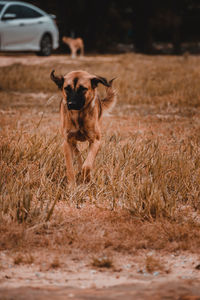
point(45, 45)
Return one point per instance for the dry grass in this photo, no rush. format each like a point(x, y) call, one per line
point(153, 264)
point(20, 258)
point(55, 263)
point(145, 190)
point(102, 262)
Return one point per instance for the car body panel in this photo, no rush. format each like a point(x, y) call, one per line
point(25, 34)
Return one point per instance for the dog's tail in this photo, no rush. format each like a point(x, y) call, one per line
point(111, 97)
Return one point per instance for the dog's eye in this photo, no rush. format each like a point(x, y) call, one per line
point(68, 88)
point(82, 89)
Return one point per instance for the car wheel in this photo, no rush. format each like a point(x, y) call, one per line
point(45, 45)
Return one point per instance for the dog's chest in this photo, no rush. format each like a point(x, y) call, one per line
point(80, 127)
point(77, 121)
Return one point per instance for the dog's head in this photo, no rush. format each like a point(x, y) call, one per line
point(78, 87)
point(65, 39)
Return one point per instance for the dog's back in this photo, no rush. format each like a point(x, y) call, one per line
point(77, 43)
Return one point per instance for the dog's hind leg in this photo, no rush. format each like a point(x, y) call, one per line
point(68, 153)
point(88, 164)
point(82, 51)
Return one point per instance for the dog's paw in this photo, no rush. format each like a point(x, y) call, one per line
point(71, 180)
point(86, 173)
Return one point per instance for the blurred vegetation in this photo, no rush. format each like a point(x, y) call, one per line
point(140, 79)
point(105, 24)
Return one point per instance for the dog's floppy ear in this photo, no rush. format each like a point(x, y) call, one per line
point(59, 80)
point(98, 79)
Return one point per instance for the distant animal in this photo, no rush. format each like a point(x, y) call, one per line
point(81, 112)
point(74, 45)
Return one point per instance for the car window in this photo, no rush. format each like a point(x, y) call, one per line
point(22, 12)
point(1, 6)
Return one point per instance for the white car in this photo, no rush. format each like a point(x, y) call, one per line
point(24, 27)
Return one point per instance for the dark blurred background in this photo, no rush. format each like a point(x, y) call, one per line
point(146, 26)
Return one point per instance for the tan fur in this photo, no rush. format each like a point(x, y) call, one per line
point(74, 45)
point(83, 125)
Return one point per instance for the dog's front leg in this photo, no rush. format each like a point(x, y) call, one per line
point(73, 50)
point(78, 154)
point(68, 153)
point(87, 166)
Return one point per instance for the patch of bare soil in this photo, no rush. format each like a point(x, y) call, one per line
point(51, 276)
point(170, 290)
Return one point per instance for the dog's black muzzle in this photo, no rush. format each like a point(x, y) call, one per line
point(75, 102)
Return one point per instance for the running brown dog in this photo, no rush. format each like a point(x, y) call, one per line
point(81, 113)
point(74, 45)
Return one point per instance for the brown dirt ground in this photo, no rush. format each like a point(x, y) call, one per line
point(73, 276)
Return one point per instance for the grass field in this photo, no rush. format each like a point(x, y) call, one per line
point(144, 192)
